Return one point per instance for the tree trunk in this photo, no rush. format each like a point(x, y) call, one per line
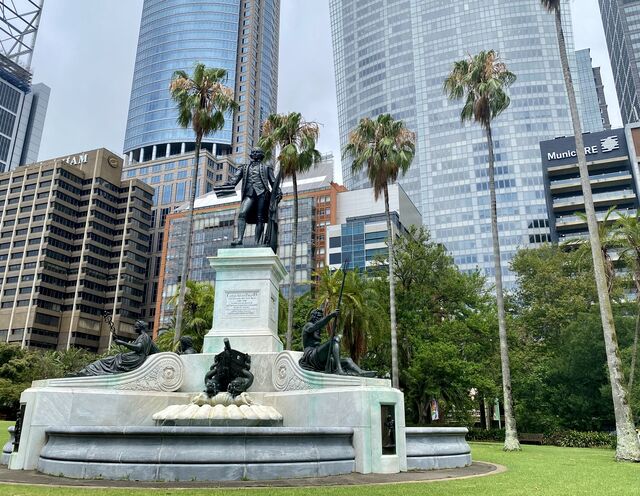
point(483, 412)
point(628, 446)
point(511, 442)
point(292, 269)
point(634, 349)
point(395, 379)
point(184, 273)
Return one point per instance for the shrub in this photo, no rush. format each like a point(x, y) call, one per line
point(476, 434)
point(577, 439)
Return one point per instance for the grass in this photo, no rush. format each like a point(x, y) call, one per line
point(537, 470)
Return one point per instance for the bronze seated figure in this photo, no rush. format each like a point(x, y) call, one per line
point(325, 357)
point(141, 348)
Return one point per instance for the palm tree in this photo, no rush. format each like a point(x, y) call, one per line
point(483, 79)
point(385, 148)
point(628, 446)
point(202, 100)
point(295, 140)
point(358, 311)
point(608, 241)
point(197, 312)
point(628, 231)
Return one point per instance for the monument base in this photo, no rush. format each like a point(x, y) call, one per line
point(246, 300)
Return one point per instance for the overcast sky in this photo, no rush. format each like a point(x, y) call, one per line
point(85, 52)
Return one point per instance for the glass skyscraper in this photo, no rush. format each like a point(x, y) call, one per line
point(590, 114)
point(393, 56)
point(23, 106)
point(621, 21)
point(240, 36)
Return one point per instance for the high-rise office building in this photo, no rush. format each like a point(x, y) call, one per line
point(73, 245)
point(240, 36)
point(621, 21)
point(387, 62)
point(589, 105)
point(613, 174)
point(602, 99)
point(23, 106)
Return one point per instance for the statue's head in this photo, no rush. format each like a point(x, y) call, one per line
point(257, 154)
point(186, 342)
point(316, 315)
point(140, 326)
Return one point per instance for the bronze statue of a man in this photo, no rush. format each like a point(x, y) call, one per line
point(259, 192)
point(325, 357)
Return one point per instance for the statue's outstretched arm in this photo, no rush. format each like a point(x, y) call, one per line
point(322, 322)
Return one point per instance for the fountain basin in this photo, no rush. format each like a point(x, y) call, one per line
point(431, 448)
point(197, 453)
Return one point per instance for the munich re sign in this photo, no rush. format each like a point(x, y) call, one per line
point(607, 144)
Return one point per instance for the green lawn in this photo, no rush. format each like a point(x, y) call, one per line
point(537, 470)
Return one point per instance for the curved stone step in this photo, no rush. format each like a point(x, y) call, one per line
point(287, 375)
point(160, 372)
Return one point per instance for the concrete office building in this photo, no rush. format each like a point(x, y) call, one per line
point(589, 106)
point(73, 245)
point(215, 226)
point(612, 158)
point(393, 56)
point(621, 22)
point(359, 233)
point(240, 36)
point(23, 105)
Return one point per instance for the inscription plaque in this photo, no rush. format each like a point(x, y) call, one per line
point(241, 303)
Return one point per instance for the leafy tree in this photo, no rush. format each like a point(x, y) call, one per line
point(359, 311)
point(482, 80)
point(19, 367)
point(445, 319)
point(304, 304)
point(559, 354)
point(628, 232)
point(198, 316)
point(295, 140)
point(202, 100)
point(628, 446)
point(384, 148)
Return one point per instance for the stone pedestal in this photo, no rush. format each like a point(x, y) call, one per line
point(246, 300)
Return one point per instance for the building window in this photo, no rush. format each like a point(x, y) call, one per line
point(180, 190)
point(167, 190)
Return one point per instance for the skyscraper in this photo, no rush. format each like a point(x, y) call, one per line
point(240, 36)
point(590, 115)
point(386, 62)
point(621, 21)
point(23, 106)
point(602, 99)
